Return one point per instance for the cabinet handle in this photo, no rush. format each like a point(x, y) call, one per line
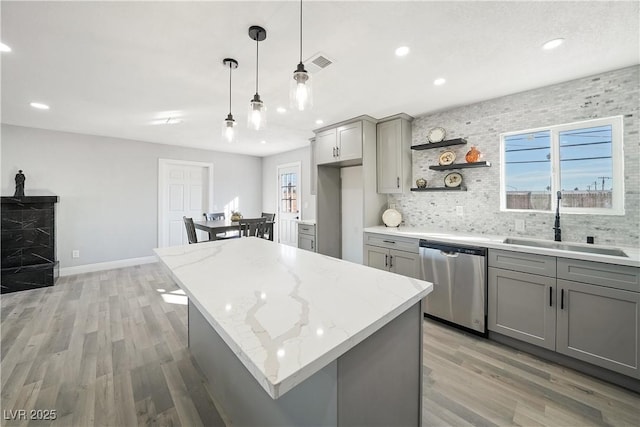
point(334, 151)
point(389, 241)
point(550, 296)
point(386, 260)
point(390, 261)
point(561, 299)
point(337, 151)
point(398, 181)
point(312, 244)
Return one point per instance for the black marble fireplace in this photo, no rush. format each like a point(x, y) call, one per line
point(28, 241)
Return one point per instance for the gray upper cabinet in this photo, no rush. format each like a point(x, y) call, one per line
point(339, 144)
point(394, 154)
point(313, 173)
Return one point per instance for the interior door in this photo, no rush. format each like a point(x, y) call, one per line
point(185, 192)
point(288, 203)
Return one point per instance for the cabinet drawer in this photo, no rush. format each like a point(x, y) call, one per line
point(527, 263)
point(400, 243)
point(597, 273)
point(307, 229)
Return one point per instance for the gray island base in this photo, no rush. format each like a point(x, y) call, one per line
point(376, 383)
point(288, 337)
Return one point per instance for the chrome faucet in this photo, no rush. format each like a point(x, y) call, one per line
point(556, 226)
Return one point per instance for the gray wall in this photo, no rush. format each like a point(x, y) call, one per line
point(608, 94)
point(269, 180)
point(108, 187)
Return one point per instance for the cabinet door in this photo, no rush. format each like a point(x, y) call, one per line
point(389, 146)
point(313, 173)
point(376, 257)
point(522, 306)
point(326, 143)
point(306, 242)
point(350, 141)
point(405, 263)
point(599, 325)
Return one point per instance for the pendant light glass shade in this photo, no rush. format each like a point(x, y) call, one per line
point(300, 94)
point(257, 115)
point(229, 124)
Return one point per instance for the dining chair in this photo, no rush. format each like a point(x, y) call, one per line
point(252, 227)
point(215, 216)
point(271, 217)
point(219, 216)
point(191, 230)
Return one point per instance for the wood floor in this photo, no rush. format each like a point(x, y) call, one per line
point(110, 348)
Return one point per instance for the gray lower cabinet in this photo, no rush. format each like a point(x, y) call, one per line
point(599, 325)
point(395, 261)
point(522, 306)
point(582, 319)
point(395, 254)
point(307, 237)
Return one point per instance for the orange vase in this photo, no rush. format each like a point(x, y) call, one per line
point(473, 155)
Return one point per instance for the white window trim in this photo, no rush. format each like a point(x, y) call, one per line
point(617, 154)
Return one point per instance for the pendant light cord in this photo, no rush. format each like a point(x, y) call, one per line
point(257, 41)
point(230, 66)
point(301, 31)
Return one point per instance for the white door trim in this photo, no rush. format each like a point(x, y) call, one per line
point(298, 164)
point(162, 166)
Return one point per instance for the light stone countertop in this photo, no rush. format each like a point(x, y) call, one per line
point(497, 242)
point(286, 312)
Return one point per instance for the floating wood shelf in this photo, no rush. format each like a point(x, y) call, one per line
point(460, 166)
point(440, 189)
point(445, 143)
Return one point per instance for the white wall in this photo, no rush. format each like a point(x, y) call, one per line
point(270, 184)
point(108, 187)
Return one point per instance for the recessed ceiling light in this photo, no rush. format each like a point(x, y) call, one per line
point(281, 110)
point(319, 121)
point(439, 81)
point(552, 44)
point(4, 48)
point(263, 142)
point(402, 51)
point(39, 106)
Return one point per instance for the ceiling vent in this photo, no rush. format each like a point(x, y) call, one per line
point(317, 63)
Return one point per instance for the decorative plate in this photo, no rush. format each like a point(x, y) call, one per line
point(454, 179)
point(436, 134)
point(391, 218)
point(446, 158)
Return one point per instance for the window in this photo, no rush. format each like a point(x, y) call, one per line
point(288, 192)
point(583, 160)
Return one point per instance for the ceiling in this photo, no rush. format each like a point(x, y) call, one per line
point(113, 68)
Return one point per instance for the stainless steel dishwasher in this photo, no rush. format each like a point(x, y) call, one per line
point(459, 277)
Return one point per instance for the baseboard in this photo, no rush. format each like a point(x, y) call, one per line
point(101, 266)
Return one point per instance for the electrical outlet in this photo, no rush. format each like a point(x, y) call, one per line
point(75, 253)
point(519, 224)
point(460, 210)
point(392, 205)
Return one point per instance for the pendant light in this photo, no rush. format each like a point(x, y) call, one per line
point(257, 117)
point(228, 131)
point(300, 87)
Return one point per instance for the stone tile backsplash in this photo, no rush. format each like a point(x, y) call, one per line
point(604, 95)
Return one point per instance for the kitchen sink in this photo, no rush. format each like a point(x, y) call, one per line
point(566, 247)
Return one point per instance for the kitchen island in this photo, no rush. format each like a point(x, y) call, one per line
point(291, 337)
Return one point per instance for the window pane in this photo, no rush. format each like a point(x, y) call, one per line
point(586, 167)
point(527, 169)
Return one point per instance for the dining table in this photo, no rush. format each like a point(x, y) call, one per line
point(216, 227)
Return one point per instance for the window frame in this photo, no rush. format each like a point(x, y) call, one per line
point(617, 158)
